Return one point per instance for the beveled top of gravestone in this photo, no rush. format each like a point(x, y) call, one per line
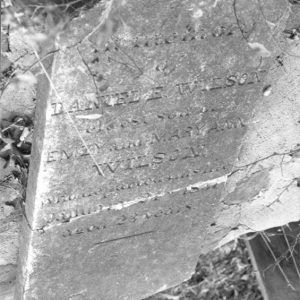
point(161, 93)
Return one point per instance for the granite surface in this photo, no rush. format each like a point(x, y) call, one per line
point(139, 130)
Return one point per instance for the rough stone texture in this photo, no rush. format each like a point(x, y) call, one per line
point(7, 282)
point(169, 97)
point(270, 148)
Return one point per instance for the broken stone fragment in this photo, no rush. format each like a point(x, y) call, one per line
point(174, 162)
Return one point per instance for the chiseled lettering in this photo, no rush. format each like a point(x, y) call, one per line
point(157, 138)
point(158, 157)
point(130, 164)
point(231, 80)
point(134, 97)
point(195, 153)
point(186, 87)
point(93, 104)
point(156, 93)
point(93, 101)
point(122, 97)
point(188, 131)
point(243, 79)
point(174, 156)
point(74, 106)
point(254, 76)
point(65, 155)
point(52, 156)
point(188, 152)
point(97, 170)
point(83, 151)
point(105, 99)
point(57, 108)
point(113, 166)
point(119, 98)
point(143, 163)
point(217, 83)
point(175, 134)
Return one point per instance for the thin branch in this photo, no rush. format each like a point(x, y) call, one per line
point(276, 262)
point(238, 21)
point(288, 9)
point(92, 75)
point(56, 5)
point(284, 255)
point(89, 69)
point(102, 20)
point(281, 165)
point(26, 70)
point(291, 252)
point(249, 238)
point(277, 199)
point(290, 152)
point(41, 59)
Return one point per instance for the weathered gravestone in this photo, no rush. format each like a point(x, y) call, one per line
point(161, 92)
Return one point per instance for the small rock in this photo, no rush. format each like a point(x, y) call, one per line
point(267, 90)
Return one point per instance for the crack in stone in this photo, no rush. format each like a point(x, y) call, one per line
point(290, 152)
point(196, 186)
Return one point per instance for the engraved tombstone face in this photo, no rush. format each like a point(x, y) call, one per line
point(161, 96)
